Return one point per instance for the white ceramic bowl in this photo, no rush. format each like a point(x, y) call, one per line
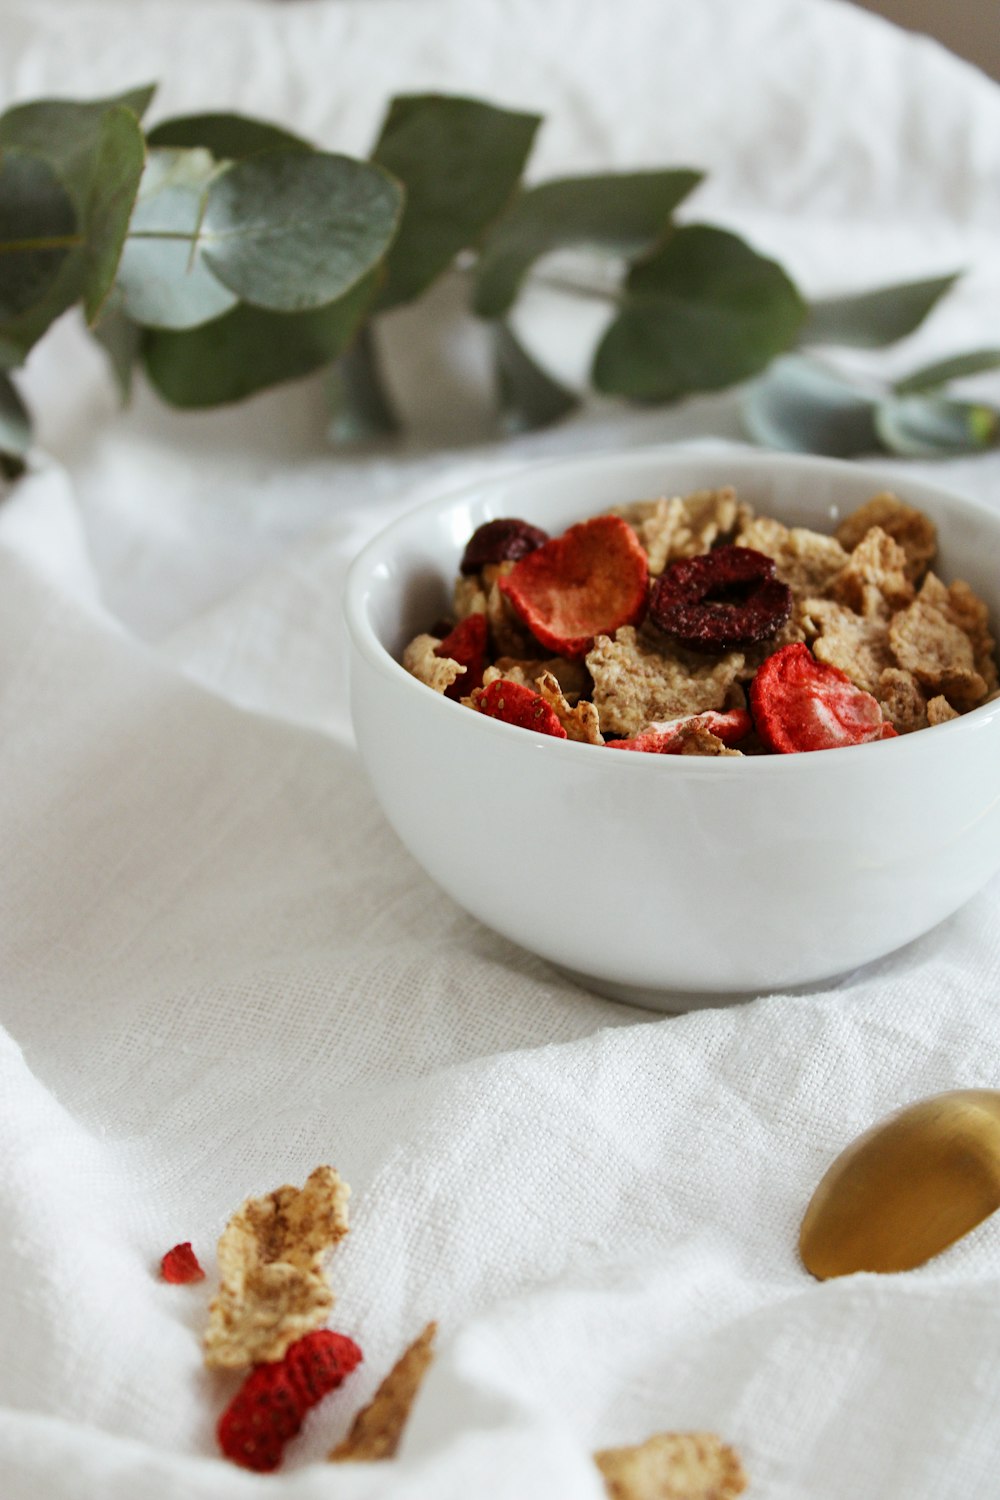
point(672, 881)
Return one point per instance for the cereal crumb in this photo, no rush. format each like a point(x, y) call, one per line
point(274, 1288)
point(437, 672)
point(939, 711)
point(911, 529)
point(638, 680)
point(376, 1430)
point(902, 700)
point(673, 1466)
point(695, 739)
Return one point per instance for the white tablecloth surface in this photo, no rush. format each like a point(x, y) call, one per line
point(219, 968)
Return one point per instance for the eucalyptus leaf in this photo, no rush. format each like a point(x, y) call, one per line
point(67, 132)
point(529, 396)
point(162, 281)
point(802, 407)
point(932, 377)
point(249, 349)
point(459, 161)
point(868, 320)
point(360, 409)
point(625, 214)
point(704, 312)
point(38, 228)
point(934, 427)
point(229, 137)
point(121, 155)
point(293, 230)
point(121, 340)
point(15, 429)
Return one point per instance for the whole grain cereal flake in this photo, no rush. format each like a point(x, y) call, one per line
point(938, 653)
point(421, 660)
point(680, 526)
point(806, 560)
point(274, 1287)
point(638, 680)
point(874, 580)
point(673, 1466)
point(853, 643)
point(378, 1427)
point(914, 532)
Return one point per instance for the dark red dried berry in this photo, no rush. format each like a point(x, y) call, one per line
point(271, 1404)
point(180, 1265)
point(800, 703)
point(587, 582)
point(515, 704)
point(667, 738)
point(466, 644)
point(719, 600)
point(500, 541)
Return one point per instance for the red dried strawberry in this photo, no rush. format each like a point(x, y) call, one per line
point(500, 541)
point(180, 1265)
point(466, 644)
point(587, 582)
point(719, 600)
point(271, 1404)
point(515, 704)
point(667, 739)
point(800, 703)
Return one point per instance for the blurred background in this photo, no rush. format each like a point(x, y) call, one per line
point(969, 27)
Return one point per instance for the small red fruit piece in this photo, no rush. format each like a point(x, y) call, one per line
point(667, 739)
point(271, 1404)
point(587, 582)
point(180, 1265)
point(800, 703)
point(466, 644)
point(515, 704)
point(504, 540)
point(721, 599)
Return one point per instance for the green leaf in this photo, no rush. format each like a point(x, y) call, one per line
point(529, 397)
point(704, 312)
point(292, 230)
point(360, 409)
point(121, 155)
point(869, 320)
point(624, 214)
point(933, 427)
point(121, 340)
point(931, 377)
point(38, 228)
point(67, 132)
point(15, 429)
point(250, 349)
point(162, 282)
point(459, 161)
point(229, 137)
point(802, 407)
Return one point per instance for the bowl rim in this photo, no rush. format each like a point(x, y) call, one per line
point(365, 640)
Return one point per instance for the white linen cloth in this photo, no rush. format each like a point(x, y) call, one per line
point(218, 967)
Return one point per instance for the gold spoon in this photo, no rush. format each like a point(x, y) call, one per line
point(908, 1188)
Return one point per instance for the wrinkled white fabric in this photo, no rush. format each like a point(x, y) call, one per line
point(218, 967)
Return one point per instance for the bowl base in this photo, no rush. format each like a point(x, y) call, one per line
point(680, 1002)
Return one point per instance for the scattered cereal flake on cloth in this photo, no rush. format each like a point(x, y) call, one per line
point(673, 1466)
point(274, 1288)
point(858, 646)
point(874, 580)
point(437, 672)
point(680, 527)
point(806, 560)
point(637, 681)
point(938, 653)
point(376, 1430)
point(911, 529)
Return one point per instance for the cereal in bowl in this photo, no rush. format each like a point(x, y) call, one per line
point(690, 625)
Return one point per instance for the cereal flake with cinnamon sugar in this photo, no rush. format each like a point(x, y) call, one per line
point(274, 1286)
point(863, 601)
point(378, 1427)
point(673, 1466)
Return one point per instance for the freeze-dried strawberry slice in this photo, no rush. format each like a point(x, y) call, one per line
point(180, 1265)
point(466, 644)
point(504, 540)
point(271, 1404)
point(800, 703)
point(514, 704)
point(721, 599)
point(667, 738)
point(587, 582)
